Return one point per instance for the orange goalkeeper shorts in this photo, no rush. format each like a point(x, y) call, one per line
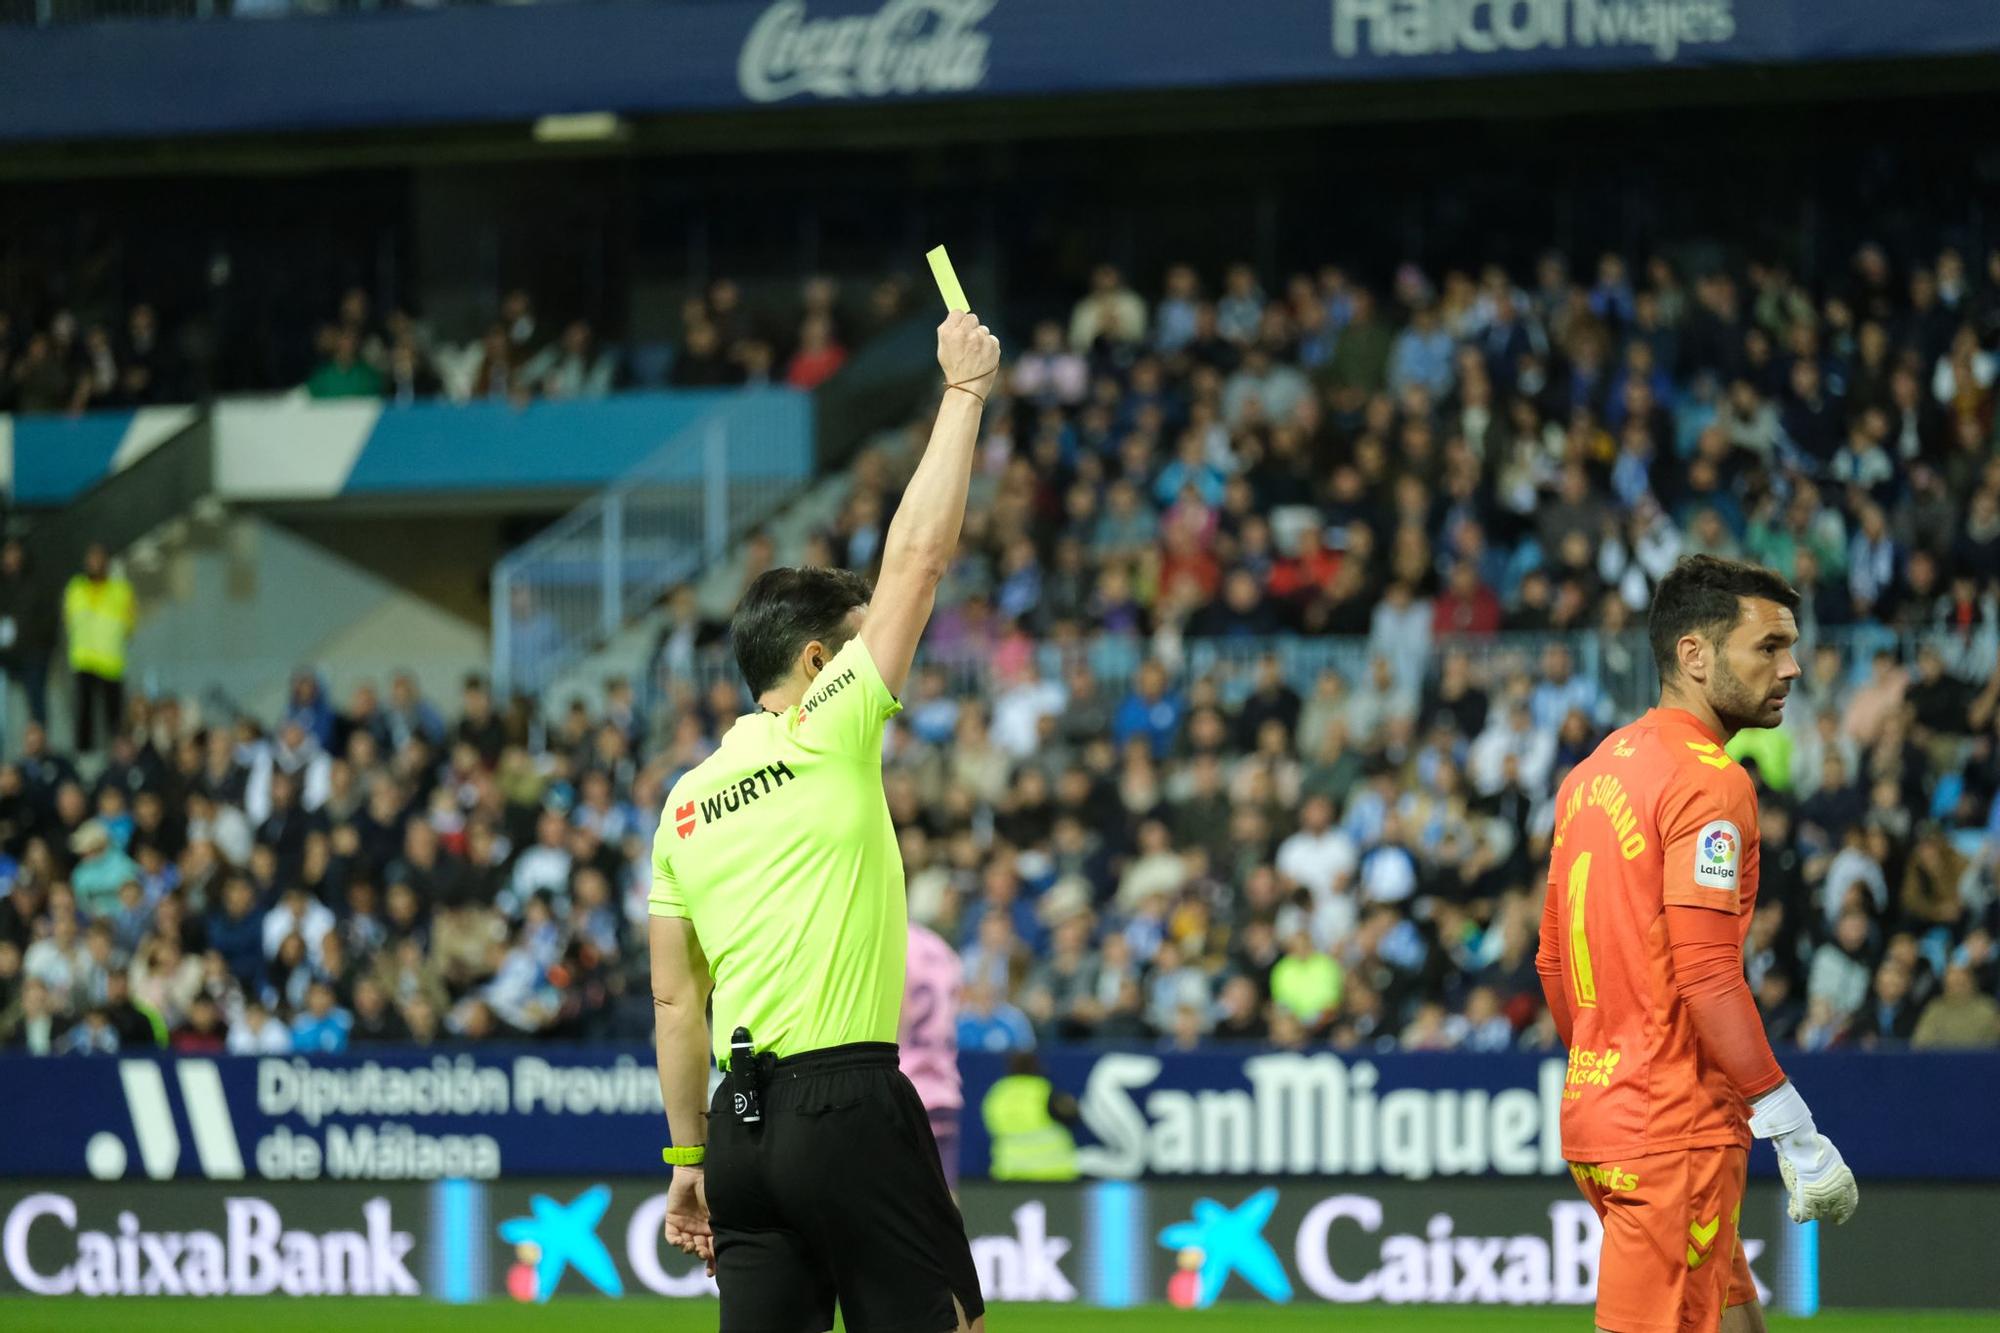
point(1671, 1260)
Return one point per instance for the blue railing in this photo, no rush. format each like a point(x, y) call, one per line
point(607, 561)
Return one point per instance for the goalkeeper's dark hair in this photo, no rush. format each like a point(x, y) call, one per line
point(786, 609)
point(1703, 594)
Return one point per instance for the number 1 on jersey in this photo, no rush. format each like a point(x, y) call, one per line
point(1581, 976)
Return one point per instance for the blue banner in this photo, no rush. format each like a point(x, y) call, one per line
point(388, 1115)
point(441, 446)
point(50, 460)
point(516, 63)
point(399, 1114)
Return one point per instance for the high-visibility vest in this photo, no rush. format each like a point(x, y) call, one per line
point(1028, 1142)
point(98, 617)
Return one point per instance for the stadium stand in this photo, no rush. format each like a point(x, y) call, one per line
point(1279, 615)
point(115, 355)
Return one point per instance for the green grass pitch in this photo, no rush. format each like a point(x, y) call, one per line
point(25, 1315)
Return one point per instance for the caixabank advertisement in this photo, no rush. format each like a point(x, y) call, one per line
point(1188, 1244)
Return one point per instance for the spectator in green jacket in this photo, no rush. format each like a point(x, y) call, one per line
point(344, 374)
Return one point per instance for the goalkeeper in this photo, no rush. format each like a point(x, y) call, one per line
point(1652, 880)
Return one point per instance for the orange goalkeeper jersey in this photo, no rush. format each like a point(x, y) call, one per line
point(1657, 815)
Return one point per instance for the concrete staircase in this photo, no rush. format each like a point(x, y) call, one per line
point(231, 603)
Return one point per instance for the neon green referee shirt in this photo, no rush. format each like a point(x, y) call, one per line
point(780, 850)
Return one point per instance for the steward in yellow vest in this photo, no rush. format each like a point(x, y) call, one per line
point(1021, 1115)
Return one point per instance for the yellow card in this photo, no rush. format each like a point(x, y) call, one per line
point(947, 281)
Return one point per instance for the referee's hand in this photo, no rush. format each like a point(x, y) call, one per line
point(687, 1215)
point(968, 352)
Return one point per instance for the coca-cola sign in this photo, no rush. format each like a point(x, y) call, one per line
point(906, 46)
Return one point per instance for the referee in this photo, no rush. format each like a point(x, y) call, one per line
point(777, 885)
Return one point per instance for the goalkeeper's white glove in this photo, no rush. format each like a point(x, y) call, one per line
point(1820, 1186)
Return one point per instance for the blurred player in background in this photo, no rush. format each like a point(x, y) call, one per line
point(1652, 881)
point(928, 1038)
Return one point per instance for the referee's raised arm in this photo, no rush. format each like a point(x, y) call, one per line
point(923, 536)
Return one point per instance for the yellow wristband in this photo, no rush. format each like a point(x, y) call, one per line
point(693, 1156)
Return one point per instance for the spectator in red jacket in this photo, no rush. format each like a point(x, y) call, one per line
point(1466, 606)
point(819, 356)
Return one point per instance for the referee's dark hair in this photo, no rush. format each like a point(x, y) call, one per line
point(785, 610)
point(1702, 594)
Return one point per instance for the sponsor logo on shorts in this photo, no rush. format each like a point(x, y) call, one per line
point(1612, 1178)
point(1717, 851)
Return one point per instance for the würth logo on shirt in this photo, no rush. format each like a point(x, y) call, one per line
point(684, 819)
point(745, 790)
point(825, 692)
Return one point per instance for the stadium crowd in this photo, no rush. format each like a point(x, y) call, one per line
point(108, 357)
point(1174, 855)
point(520, 356)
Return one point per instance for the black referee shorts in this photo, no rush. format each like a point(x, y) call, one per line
point(836, 1196)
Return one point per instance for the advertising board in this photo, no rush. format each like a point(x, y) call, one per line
point(1284, 1241)
point(490, 1113)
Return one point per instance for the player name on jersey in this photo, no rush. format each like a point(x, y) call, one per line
point(1607, 794)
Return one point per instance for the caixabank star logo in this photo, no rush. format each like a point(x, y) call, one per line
point(557, 1236)
point(1218, 1241)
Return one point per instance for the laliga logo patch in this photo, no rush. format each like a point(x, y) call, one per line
point(1716, 853)
point(1719, 848)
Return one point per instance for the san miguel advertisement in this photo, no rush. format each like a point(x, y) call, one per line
point(1279, 1242)
point(400, 1115)
point(1415, 1116)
